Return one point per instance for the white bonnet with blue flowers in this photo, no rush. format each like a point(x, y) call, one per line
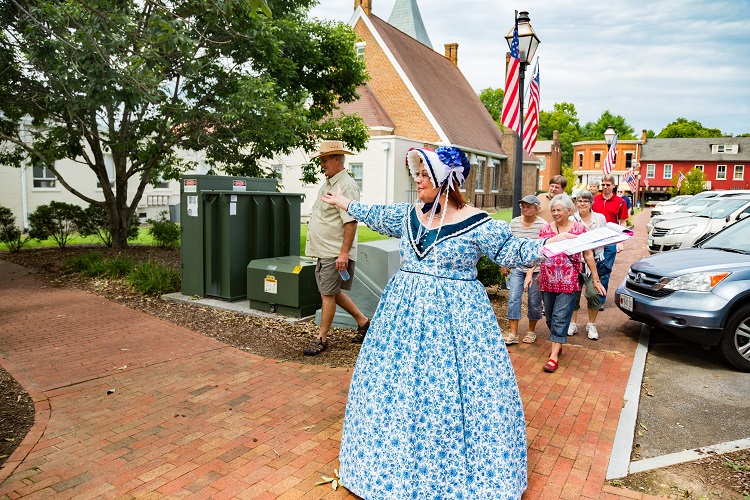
point(446, 161)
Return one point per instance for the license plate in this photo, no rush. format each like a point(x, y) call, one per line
point(649, 242)
point(626, 302)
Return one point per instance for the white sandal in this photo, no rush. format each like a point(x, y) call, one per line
point(530, 338)
point(511, 339)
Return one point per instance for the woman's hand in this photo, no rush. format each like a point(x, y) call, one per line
point(336, 198)
point(560, 237)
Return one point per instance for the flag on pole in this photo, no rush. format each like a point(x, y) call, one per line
point(511, 116)
point(531, 125)
point(680, 179)
point(630, 179)
point(609, 161)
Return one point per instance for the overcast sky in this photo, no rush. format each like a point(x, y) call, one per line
point(649, 61)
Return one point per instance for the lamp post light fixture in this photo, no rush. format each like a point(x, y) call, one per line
point(609, 135)
point(527, 45)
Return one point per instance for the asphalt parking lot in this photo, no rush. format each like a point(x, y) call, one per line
point(690, 398)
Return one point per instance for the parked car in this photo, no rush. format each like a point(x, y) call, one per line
point(687, 210)
point(673, 200)
point(687, 231)
point(697, 199)
point(699, 294)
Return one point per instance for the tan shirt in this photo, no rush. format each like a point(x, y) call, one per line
point(325, 232)
point(544, 211)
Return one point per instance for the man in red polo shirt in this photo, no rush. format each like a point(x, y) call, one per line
point(615, 210)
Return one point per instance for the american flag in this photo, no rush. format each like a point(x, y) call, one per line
point(609, 161)
point(511, 116)
point(680, 179)
point(630, 179)
point(645, 183)
point(531, 126)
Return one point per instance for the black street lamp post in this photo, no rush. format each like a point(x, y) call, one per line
point(527, 44)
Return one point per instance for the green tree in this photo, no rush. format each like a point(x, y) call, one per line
point(144, 80)
point(684, 128)
point(493, 101)
point(564, 119)
point(594, 131)
point(694, 183)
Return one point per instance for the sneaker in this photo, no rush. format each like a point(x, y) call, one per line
point(593, 334)
point(572, 329)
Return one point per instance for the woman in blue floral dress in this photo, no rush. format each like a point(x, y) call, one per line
point(434, 409)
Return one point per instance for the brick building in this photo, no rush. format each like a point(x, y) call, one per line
point(417, 97)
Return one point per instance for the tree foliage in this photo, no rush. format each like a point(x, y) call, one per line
point(493, 101)
point(694, 183)
point(142, 80)
point(594, 131)
point(681, 127)
point(564, 119)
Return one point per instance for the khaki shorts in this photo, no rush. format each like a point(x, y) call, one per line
point(328, 278)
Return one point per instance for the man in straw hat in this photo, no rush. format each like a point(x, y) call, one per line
point(332, 239)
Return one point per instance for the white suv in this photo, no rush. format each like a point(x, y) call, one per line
point(687, 231)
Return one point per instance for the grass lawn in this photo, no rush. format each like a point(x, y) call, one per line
point(364, 234)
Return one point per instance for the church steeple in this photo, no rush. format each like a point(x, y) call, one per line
point(405, 17)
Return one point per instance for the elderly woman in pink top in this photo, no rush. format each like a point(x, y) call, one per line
point(559, 277)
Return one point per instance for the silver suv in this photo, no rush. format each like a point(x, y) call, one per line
point(699, 294)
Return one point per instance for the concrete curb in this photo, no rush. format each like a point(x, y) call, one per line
point(688, 455)
point(619, 461)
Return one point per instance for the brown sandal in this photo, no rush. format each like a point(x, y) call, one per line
point(359, 337)
point(315, 348)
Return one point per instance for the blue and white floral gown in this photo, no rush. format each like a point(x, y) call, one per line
point(434, 410)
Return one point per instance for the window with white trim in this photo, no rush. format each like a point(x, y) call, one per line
point(43, 176)
point(667, 170)
point(356, 171)
point(739, 172)
point(580, 160)
point(479, 186)
point(721, 172)
point(725, 149)
point(628, 160)
point(597, 160)
point(359, 47)
point(495, 166)
point(650, 170)
point(700, 167)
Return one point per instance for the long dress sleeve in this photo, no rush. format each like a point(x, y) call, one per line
point(497, 242)
point(385, 219)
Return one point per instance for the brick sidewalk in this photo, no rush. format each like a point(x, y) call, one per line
point(192, 417)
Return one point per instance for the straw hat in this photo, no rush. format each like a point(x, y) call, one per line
point(331, 148)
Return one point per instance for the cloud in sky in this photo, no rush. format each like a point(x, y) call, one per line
point(650, 62)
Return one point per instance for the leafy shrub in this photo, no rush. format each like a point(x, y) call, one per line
point(9, 232)
point(95, 222)
point(56, 220)
point(118, 267)
point(154, 278)
point(488, 273)
point(88, 264)
point(166, 233)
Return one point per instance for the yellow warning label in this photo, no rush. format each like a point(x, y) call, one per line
point(297, 269)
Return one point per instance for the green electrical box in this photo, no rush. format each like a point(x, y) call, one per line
point(284, 285)
point(242, 226)
point(192, 215)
